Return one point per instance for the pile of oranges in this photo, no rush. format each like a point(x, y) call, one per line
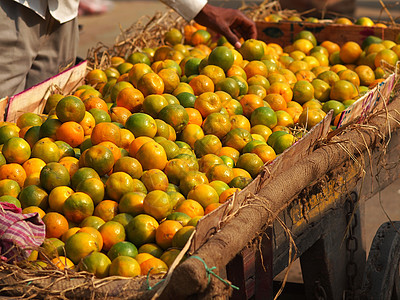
point(122, 170)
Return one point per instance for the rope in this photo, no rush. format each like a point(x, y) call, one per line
point(211, 272)
point(148, 281)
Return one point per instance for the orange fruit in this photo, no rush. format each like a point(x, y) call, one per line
point(208, 144)
point(203, 194)
point(123, 248)
point(70, 132)
point(96, 76)
point(214, 73)
point(98, 157)
point(237, 138)
point(207, 161)
point(95, 102)
point(251, 163)
point(116, 151)
point(182, 235)
point(152, 155)
point(33, 195)
point(387, 55)
point(9, 187)
point(8, 131)
point(28, 119)
point(191, 133)
point(194, 116)
point(208, 103)
point(117, 184)
point(62, 262)
point(142, 229)
point(220, 172)
point(131, 99)
point(92, 221)
point(350, 52)
point(216, 124)
point(343, 90)
point(265, 152)
point(70, 108)
point(165, 232)
point(71, 163)
point(175, 115)
point(201, 84)
point(153, 266)
point(249, 103)
point(276, 101)
point(225, 195)
point(252, 49)
point(79, 245)
point(16, 150)
point(56, 224)
point(106, 210)
point(239, 121)
point(310, 117)
point(175, 169)
point(124, 266)
point(191, 179)
point(264, 116)
point(46, 150)
point(106, 131)
point(157, 204)
point(112, 233)
point(54, 174)
point(119, 114)
point(130, 166)
point(97, 263)
point(141, 124)
point(57, 197)
point(77, 207)
point(34, 209)
point(137, 143)
point(94, 233)
point(190, 207)
point(132, 203)
point(150, 83)
point(366, 75)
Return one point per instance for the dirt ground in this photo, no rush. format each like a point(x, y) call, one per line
point(106, 27)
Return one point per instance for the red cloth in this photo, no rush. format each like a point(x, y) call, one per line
point(18, 232)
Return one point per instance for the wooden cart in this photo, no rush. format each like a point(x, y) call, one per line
point(308, 202)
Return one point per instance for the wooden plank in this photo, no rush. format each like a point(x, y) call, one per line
point(34, 99)
point(284, 32)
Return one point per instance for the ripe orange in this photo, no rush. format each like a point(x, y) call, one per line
point(92, 221)
point(152, 156)
point(165, 233)
point(16, 150)
point(70, 108)
point(46, 150)
point(56, 224)
point(190, 207)
point(204, 194)
point(70, 132)
point(106, 210)
point(175, 115)
point(80, 245)
point(157, 204)
point(53, 175)
point(350, 52)
point(9, 187)
point(124, 266)
point(208, 103)
point(62, 262)
point(206, 145)
point(97, 263)
point(112, 233)
point(131, 203)
point(58, 196)
point(77, 207)
point(141, 124)
point(98, 157)
point(182, 235)
point(142, 229)
point(228, 193)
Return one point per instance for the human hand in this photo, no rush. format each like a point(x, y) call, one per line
point(231, 23)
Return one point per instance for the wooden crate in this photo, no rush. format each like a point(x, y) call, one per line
point(34, 99)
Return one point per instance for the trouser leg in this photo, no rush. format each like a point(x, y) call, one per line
point(19, 42)
point(57, 51)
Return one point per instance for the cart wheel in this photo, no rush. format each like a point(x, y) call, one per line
point(381, 279)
